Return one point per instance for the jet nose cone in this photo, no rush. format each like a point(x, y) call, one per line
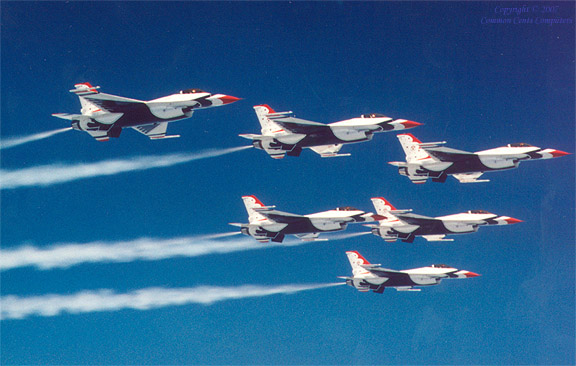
point(227, 99)
point(471, 274)
point(512, 220)
point(411, 124)
point(559, 153)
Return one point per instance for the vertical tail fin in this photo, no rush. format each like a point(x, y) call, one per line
point(382, 206)
point(412, 148)
point(251, 202)
point(268, 126)
point(356, 261)
point(82, 90)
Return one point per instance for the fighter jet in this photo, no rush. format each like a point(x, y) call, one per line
point(429, 160)
point(367, 276)
point(282, 134)
point(266, 223)
point(401, 224)
point(105, 115)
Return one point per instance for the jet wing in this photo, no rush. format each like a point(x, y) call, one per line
point(389, 273)
point(447, 154)
point(69, 116)
point(155, 131)
point(414, 219)
point(281, 217)
point(113, 103)
point(301, 126)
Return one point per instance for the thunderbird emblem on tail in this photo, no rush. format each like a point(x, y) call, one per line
point(105, 115)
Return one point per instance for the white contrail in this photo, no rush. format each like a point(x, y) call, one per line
point(47, 175)
point(334, 237)
point(15, 307)
point(9, 142)
point(147, 249)
point(66, 255)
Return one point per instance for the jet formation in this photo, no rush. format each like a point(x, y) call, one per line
point(372, 277)
point(396, 224)
point(104, 115)
point(267, 224)
point(282, 134)
point(430, 160)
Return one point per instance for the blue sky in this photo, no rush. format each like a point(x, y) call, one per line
point(474, 85)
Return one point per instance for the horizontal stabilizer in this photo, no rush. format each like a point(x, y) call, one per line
point(250, 136)
point(72, 117)
point(398, 163)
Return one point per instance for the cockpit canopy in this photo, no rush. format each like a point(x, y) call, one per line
point(440, 266)
point(479, 212)
point(520, 144)
point(373, 115)
point(346, 208)
point(191, 91)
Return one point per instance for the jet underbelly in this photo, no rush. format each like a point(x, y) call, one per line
point(351, 135)
point(472, 164)
point(435, 227)
point(459, 227)
point(141, 115)
point(421, 280)
point(497, 163)
point(319, 140)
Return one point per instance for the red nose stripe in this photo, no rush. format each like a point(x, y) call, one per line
point(471, 274)
point(559, 153)
point(227, 99)
point(411, 124)
point(512, 220)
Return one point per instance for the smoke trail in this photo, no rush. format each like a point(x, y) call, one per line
point(346, 236)
point(9, 142)
point(144, 249)
point(147, 249)
point(47, 175)
point(14, 307)
point(224, 235)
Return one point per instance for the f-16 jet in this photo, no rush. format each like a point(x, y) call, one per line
point(105, 115)
point(266, 223)
point(396, 224)
point(430, 160)
point(282, 134)
point(367, 276)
